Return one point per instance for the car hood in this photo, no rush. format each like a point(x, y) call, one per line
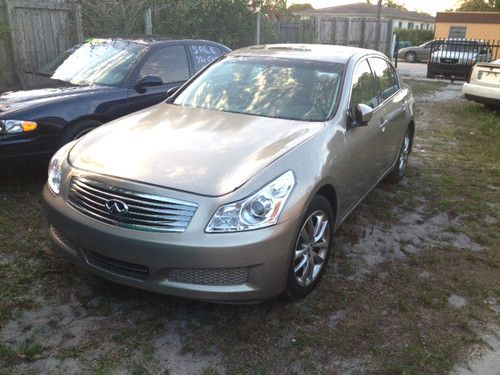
point(14, 100)
point(196, 150)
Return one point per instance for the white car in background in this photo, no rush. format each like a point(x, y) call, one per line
point(484, 84)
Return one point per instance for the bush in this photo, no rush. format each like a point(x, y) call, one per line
point(416, 37)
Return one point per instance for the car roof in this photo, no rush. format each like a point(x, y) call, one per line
point(158, 41)
point(317, 52)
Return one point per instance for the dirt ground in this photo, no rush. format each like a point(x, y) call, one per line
point(414, 286)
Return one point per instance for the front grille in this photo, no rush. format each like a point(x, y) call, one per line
point(209, 276)
point(449, 61)
point(132, 270)
point(137, 210)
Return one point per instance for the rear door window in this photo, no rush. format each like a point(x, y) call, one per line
point(386, 76)
point(203, 54)
point(363, 87)
point(169, 63)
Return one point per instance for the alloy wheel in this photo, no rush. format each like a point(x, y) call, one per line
point(404, 154)
point(312, 248)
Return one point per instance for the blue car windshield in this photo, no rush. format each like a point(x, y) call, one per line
point(96, 62)
point(271, 87)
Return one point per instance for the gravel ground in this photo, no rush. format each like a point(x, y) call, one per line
point(93, 326)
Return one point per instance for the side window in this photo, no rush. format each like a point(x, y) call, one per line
point(169, 63)
point(386, 76)
point(363, 87)
point(203, 54)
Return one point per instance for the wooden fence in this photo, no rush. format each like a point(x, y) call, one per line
point(39, 32)
point(357, 32)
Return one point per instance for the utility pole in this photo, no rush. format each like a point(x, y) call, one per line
point(257, 29)
point(379, 24)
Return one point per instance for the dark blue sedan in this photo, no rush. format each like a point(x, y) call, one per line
point(94, 83)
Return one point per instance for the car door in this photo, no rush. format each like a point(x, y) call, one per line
point(424, 51)
point(170, 64)
point(365, 147)
point(393, 101)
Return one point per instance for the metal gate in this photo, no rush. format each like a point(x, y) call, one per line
point(40, 31)
point(454, 58)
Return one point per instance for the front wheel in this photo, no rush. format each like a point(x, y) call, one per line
point(411, 57)
point(399, 170)
point(311, 250)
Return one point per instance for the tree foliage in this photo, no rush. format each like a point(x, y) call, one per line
point(394, 4)
point(479, 6)
point(231, 22)
point(416, 37)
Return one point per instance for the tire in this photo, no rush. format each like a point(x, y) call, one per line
point(410, 57)
point(397, 173)
point(78, 130)
point(304, 276)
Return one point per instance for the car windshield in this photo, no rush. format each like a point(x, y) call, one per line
point(270, 87)
point(96, 62)
point(460, 47)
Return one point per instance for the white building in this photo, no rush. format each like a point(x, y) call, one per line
point(400, 19)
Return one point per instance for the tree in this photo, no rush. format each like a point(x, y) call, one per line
point(394, 4)
point(479, 6)
point(300, 7)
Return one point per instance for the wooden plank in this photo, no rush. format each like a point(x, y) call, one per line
point(29, 4)
point(78, 23)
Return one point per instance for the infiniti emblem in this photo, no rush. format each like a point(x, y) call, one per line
point(116, 207)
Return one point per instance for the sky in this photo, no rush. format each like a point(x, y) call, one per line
point(428, 6)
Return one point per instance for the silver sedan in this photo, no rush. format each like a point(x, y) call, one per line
point(233, 189)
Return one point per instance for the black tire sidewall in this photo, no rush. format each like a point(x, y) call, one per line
point(293, 290)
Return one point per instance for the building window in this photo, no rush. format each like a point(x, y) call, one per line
point(421, 26)
point(410, 25)
point(457, 32)
point(400, 25)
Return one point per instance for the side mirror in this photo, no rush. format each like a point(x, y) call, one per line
point(148, 80)
point(362, 114)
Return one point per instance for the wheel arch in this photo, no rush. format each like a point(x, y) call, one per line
point(411, 126)
point(327, 190)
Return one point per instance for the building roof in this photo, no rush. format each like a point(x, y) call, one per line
point(469, 17)
point(364, 9)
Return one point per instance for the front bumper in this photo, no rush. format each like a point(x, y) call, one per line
point(449, 70)
point(226, 267)
point(28, 145)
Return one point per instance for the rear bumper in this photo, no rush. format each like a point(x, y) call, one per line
point(481, 94)
point(227, 267)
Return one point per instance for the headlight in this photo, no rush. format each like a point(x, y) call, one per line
point(55, 171)
point(260, 210)
point(16, 126)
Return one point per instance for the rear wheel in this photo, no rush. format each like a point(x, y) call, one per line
point(311, 249)
point(410, 57)
point(399, 170)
